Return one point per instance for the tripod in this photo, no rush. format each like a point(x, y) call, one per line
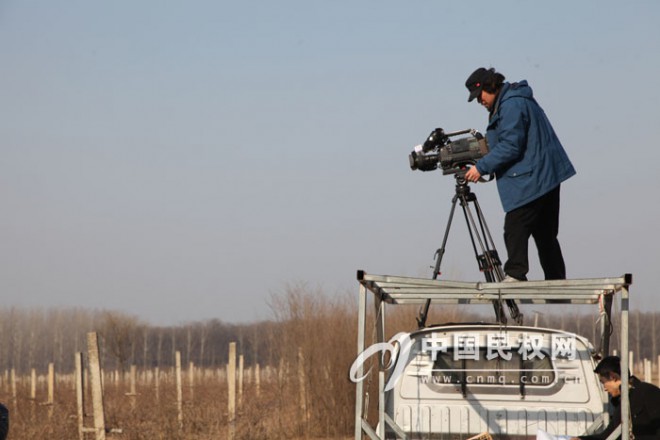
point(486, 254)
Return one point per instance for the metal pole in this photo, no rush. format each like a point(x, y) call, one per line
point(359, 389)
point(625, 385)
point(381, 404)
point(380, 332)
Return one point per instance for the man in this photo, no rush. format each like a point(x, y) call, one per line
point(644, 402)
point(4, 422)
point(529, 163)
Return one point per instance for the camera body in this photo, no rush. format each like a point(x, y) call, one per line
point(451, 156)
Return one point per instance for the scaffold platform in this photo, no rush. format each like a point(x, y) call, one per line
point(391, 290)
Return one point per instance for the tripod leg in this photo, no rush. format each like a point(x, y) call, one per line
point(495, 263)
point(514, 311)
point(441, 251)
point(499, 312)
point(423, 314)
point(487, 261)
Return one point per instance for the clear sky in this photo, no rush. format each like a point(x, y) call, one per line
point(185, 160)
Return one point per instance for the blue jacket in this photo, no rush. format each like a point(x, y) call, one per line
point(525, 154)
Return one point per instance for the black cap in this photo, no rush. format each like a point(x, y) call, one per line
point(475, 82)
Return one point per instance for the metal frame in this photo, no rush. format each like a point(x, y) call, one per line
point(417, 291)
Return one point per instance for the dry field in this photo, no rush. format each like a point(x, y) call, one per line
point(304, 392)
point(275, 413)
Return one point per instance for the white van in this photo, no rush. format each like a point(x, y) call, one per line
point(456, 381)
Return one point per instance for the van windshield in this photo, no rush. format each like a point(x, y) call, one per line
point(452, 368)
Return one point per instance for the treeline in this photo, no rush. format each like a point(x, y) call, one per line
point(32, 338)
point(304, 319)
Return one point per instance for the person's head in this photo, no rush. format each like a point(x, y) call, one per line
point(609, 374)
point(484, 84)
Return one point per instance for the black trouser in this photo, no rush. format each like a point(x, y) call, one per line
point(540, 219)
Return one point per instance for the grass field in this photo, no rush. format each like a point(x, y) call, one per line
point(275, 413)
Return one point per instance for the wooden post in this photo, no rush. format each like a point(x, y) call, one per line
point(303, 392)
point(231, 389)
point(631, 363)
point(133, 384)
point(51, 389)
point(97, 390)
point(33, 392)
point(80, 394)
point(191, 378)
point(179, 390)
point(133, 380)
point(257, 379)
point(281, 376)
point(240, 381)
point(157, 383)
point(14, 396)
point(33, 385)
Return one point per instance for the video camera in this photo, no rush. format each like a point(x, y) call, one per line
point(438, 151)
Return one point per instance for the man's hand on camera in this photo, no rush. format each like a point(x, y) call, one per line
point(472, 174)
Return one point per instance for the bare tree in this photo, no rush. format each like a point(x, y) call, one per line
point(145, 346)
point(654, 338)
point(160, 348)
point(203, 335)
point(119, 333)
point(188, 343)
point(173, 344)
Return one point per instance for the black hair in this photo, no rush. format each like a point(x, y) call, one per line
point(609, 366)
point(493, 82)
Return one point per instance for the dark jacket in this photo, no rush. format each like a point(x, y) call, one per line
point(525, 153)
point(4, 422)
point(644, 412)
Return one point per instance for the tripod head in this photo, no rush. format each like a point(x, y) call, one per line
point(463, 188)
